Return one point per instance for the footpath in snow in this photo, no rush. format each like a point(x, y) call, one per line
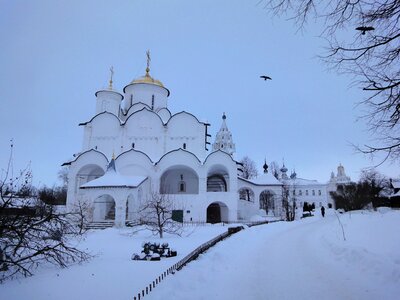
point(306, 259)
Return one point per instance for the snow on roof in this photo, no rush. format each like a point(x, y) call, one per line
point(302, 181)
point(114, 179)
point(396, 183)
point(395, 195)
point(264, 179)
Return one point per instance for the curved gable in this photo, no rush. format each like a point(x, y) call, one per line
point(179, 155)
point(185, 124)
point(164, 114)
point(181, 114)
point(137, 114)
point(89, 156)
point(134, 163)
point(136, 107)
point(136, 152)
point(99, 115)
point(219, 153)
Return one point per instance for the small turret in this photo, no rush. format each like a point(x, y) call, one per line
point(283, 171)
point(293, 175)
point(108, 99)
point(223, 139)
point(265, 167)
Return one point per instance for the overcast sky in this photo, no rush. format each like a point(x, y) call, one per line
point(55, 55)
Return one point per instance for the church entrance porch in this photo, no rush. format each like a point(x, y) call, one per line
point(104, 208)
point(217, 212)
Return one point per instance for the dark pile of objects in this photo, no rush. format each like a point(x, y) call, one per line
point(154, 251)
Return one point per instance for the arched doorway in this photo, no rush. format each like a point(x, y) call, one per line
point(217, 212)
point(267, 201)
point(104, 209)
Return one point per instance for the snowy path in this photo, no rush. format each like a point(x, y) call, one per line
point(285, 261)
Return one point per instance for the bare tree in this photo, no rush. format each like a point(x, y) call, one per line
point(288, 204)
point(275, 169)
point(82, 214)
point(365, 193)
point(249, 168)
point(156, 213)
point(63, 176)
point(31, 232)
point(267, 201)
point(371, 54)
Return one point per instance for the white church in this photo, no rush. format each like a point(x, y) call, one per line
point(135, 146)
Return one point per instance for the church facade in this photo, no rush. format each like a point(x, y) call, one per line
point(134, 146)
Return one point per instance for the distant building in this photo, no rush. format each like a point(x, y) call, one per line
point(339, 179)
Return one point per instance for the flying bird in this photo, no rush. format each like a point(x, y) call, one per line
point(364, 29)
point(265, 77)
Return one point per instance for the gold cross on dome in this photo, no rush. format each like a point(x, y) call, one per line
point(148, 62)
point(111, 78)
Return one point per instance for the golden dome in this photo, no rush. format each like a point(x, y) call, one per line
point(148, 79)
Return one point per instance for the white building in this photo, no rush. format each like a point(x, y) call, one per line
point(134, 146)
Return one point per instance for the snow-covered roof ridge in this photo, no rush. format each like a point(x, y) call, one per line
point(264, 179)
point(303, 181)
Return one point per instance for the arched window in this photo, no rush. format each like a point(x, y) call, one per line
point(216, 183)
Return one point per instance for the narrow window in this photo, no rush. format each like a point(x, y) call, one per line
point(133, 145)
point(313, 192)
point(184, 145)
point(182, 187)
point(306, 192)
point(300, 192)
point(319, 192)
point(152, 102)
point(294, 192)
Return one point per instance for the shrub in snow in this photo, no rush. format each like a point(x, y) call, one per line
point(154, 251)
point(31, 232)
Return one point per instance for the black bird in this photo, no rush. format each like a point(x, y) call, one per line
point(265, 77)
point(364, 29)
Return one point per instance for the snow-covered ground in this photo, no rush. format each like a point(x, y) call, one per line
point(306, 259)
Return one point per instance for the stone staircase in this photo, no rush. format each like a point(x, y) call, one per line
point(100, 224)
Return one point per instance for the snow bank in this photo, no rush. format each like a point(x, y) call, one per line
point(111, 274)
